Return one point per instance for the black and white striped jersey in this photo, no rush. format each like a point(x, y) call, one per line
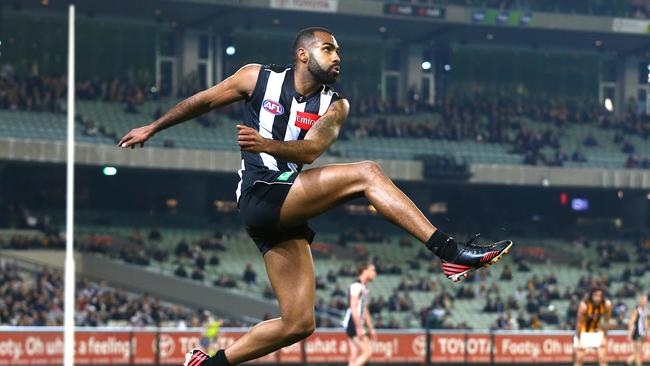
point(359, 290)
point(277, 111)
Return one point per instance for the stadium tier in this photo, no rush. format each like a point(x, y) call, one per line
point(539, 290)
point(522, 140)
point(38, 301)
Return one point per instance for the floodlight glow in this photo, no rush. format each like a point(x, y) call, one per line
point(109, 170)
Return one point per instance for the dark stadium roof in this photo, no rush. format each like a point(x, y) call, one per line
point(227, 18)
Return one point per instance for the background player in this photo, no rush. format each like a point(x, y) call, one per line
point(210, 331)
point(292, 117)
point(591, 326)
point(636, 330)
point(357, 315)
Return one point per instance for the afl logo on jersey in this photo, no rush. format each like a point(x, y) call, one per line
point(273, 107)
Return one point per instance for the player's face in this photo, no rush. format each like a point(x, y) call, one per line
point(643, 300)
point(324, 59)
point(597, 297)
point(371, 273)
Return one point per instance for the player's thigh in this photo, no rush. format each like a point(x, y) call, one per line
point(290, 268)
point(317, 190)
point(364, 341)
point(354, 347)
point(638, 347)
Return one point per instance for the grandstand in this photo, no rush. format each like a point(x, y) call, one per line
point(109, 118)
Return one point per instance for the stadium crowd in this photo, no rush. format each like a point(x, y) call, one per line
point(529, 307)
point(484, 118)
point(34, 297)
point(479, 117)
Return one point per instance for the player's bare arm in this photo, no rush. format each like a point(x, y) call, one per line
point(630, 323)
point(580, 319)
point(319, 138)
point(371, 328)
point(356, 317)
point(608, 315)
point(237, 87)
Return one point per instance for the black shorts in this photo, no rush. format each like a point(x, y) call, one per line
point(259, 206)
point(351, 329)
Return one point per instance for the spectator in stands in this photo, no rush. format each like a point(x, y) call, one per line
point(249, 276)
point(489, 306)
point(183, 249)
point(506, 274)
point(320, 283)
point(578, 157)
point(331, 276)
point(338, 292)
point(155, 235)
point(180, 271)
point(631, 162)
point(225, 281)
point(590, 141)
point(214, 260)
point(197, 274)
point(199, 262)
point(627, 148)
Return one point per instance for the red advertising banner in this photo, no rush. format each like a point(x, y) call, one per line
point(333, 347)
point(533, 348)
point(460, 348)
point(91, 348)
point(144, 348)
point(174, 345)
point(32, 346)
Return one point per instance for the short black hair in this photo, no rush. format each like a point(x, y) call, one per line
point(306, 36)
point(593, 291)
point(362, 266)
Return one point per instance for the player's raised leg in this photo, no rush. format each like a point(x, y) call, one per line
point(291, 271)
point(317, 190)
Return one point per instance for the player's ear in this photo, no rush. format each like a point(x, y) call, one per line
point(302, 55)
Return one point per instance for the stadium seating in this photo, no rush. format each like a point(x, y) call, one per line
point(114, 121)
point(239, 251)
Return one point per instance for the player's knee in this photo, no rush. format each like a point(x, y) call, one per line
point(367, 353)
point(370, 170)
point(301, 329)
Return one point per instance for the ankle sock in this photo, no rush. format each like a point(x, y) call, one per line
point(441, 245)
point(217, 360)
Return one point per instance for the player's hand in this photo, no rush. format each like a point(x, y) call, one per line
point(136, 136)
point(250, 140)
point(629, 337)
point(360, 332)
point(373, 334)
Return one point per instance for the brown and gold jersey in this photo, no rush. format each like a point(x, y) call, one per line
point(595, 316)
